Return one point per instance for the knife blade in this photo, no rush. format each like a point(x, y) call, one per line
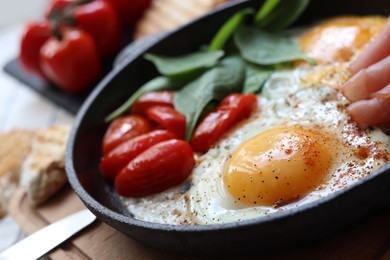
point(47, 238)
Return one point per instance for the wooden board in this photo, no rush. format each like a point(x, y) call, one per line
point(98, 241)
point(369, 240)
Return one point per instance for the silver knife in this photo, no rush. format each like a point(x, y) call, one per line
point(42, 241)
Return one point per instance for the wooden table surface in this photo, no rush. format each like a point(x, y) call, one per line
point(368, 240)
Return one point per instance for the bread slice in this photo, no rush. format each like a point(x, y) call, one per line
point(165, 15)
point(43, 171)
point(14, 147)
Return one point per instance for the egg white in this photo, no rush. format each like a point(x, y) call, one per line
point(285, 102)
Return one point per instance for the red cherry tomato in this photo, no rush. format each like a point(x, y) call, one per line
point(168, 118)
point(124, 128)
point(155, 98)
point(35, 34)
point(130, 10)
point(120, 156)
point(98, 18)
point(160, 167)
point(73, 62)
point(232, 109)
point(101, 21)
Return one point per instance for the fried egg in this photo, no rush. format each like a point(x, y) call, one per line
point(297, 147)
point(287, 155)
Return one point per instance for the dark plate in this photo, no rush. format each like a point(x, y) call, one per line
point(68, 101)
point(291, 228)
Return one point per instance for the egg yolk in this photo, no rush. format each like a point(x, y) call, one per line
point(338, 39)
point(279, 165)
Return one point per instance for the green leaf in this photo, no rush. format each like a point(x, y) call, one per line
point(229, 27)
point(225, 78)
point(265, 48)
point(255, 78)
point(276, 15)
point(184, 64)
point(265, 10)
point(159, 83)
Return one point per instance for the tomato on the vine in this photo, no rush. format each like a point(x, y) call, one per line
point(71, 61)
point(101, 21)
point(98, 18)
point(35, 34)
point(59, 6)
point(130, 10)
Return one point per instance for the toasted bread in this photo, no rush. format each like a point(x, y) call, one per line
point(165, 15)
point(14, 147)
point(43, 171)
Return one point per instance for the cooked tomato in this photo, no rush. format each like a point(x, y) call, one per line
point(232, 109)
point(124, 128)
point(120, 156)
point(160, 167)
point(168, 118)
point(151, 99)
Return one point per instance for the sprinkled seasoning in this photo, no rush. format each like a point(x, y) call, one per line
point(304, 96)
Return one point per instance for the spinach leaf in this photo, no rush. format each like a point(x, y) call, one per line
point(265, 48)
point(265, 10)
point(159, 83)
point(225, 78)
point(276, 15)
point(184, 64)
point(255, 78)
point(229, 27)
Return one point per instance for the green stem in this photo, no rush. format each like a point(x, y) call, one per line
point(82, 2)
point(55, 19)
point(67, 14)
